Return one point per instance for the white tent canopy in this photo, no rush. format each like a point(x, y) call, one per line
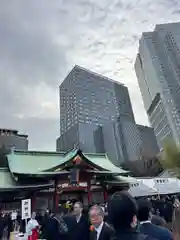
point(140, 188)
point(167, 185)
point(153, 186)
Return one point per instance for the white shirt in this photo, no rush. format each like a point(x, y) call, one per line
point(145, 222)
point(103, 208)
point(32, 223)
point(78, 218)
point(99, 229)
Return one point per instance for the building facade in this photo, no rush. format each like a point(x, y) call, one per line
point(149, 146)
point(12, 139)
point(83, 136)
point(122, 141)
point(87, 97)
point(157, 68)
point(96, 116)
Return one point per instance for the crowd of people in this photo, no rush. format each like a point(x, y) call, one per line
point(6, 225)
point(122, 218)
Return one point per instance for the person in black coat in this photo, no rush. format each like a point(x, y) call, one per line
point(2, 225)
point(99, 229)
point(122, 213)
point(22, 226)
point(44, 225)
point(78, 224)
point(9, 223)
point(146, 227)
point(56, 227)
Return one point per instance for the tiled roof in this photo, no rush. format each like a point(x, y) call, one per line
point(29, 162)
point(104, 162)
point(8, 182)
point(24, 162)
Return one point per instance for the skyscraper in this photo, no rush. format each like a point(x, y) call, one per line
point(157, 68)
point(87, 97)
point(149, 147)
point(96, 116)
point(87, 102)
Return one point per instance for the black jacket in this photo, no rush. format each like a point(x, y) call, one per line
point(78, 230)
point(107, 233)
point(154, 231)
point(131, 234)
point(55, 229)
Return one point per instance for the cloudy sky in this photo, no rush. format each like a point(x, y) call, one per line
point(41, 40)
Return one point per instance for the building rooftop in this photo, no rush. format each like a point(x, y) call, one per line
point(35, 169)
point(77, 67)
point(34, 162)
point(12, 131)
point(167, 26)
point(9, 130)
point(8, 182)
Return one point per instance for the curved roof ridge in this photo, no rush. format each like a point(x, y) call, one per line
point(106, 164)
point(34, 152)
point(95, 154)
point(26, 162)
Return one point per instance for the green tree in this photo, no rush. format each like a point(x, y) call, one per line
point(170, 157)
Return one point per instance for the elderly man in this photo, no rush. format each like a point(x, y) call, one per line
point(99, 229)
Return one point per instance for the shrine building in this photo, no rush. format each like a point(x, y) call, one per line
point(50, 178)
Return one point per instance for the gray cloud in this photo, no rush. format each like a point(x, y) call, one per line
point(41, 40)
point(27, 43)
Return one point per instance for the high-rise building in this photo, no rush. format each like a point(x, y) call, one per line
point(96, 116)
point(122, 140)
point(157, 68)
point(12, 139)
point(149, 147)
point(87, 97)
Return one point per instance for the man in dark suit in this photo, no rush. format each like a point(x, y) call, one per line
point(78, 224)
point(100, 230)
point(146, 227)
point(122, 213)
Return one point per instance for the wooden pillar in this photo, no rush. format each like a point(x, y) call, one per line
point(89, 192)
point(105, 194)
point(57, 201)
point(56, 196)
point(33, 202)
